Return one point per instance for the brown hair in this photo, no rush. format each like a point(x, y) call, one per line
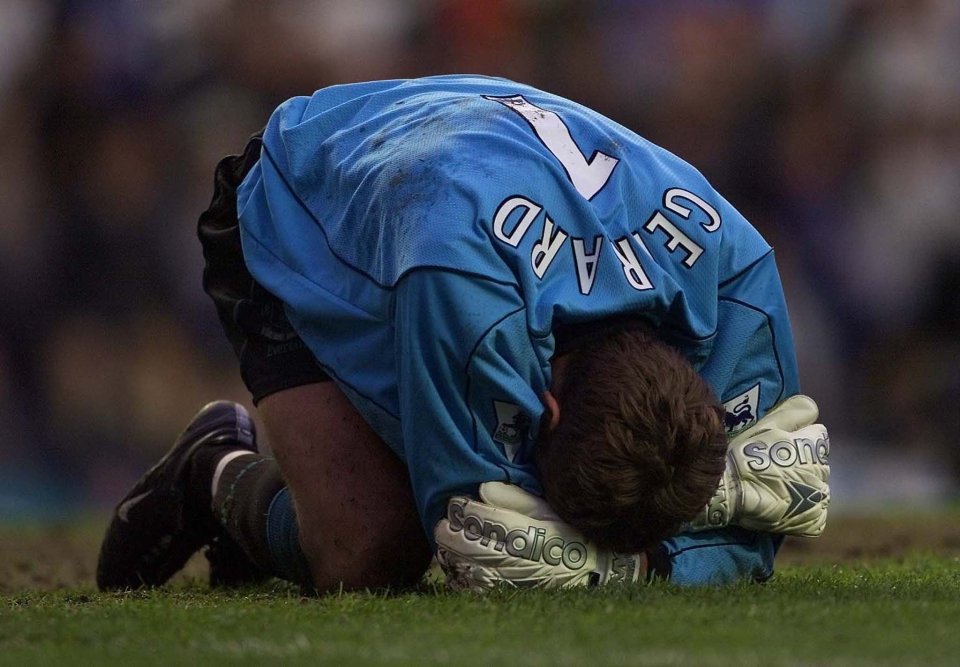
point(640, 445)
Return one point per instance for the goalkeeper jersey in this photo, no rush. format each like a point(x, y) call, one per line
point(436, 241)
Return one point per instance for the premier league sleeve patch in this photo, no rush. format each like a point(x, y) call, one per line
point(513, 425)
point(741, 411)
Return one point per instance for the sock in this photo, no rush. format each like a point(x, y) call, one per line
point(252, 502)
point(283, 540)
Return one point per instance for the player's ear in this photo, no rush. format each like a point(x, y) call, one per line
point(552, 409)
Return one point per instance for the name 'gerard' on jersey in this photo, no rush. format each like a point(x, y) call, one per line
point(515, 216)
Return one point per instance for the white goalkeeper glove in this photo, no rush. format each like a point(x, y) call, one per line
point(513, 538)
point(777, 478)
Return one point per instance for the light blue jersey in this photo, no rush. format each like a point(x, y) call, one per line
point(432, 239)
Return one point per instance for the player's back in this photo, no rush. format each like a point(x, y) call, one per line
point(400, 175)
point(363, 184)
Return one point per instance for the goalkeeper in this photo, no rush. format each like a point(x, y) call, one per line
point(483, 322)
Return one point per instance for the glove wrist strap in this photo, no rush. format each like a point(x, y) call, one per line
point(621, 568)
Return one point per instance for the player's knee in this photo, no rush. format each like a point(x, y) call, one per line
point(378, 555)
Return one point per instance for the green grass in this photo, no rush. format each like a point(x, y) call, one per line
point(888, 612)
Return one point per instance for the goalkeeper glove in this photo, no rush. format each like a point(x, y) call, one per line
point(511, 537)
point(777, 478)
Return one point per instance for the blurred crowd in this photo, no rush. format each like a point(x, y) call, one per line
point(833, 125)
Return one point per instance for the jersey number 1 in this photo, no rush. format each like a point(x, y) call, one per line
point(587, 176)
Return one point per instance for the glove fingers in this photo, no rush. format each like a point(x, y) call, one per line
point(512, 497)
point(794, 413)
point(485, 518)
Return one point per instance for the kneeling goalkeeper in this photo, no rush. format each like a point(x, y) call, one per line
point(483, 322)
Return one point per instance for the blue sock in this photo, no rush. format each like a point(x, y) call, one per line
point(252, 502)
point(283, 541)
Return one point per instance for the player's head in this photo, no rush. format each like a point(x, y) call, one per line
point(639, 445)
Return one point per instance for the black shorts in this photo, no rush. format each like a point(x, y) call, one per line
point(272, 356)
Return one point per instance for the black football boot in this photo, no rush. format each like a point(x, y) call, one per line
point(165, 518)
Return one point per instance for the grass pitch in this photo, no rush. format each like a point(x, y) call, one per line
point(871, 592)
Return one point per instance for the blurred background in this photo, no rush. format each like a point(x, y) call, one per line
point(833, 125)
